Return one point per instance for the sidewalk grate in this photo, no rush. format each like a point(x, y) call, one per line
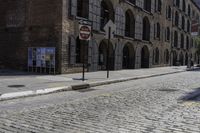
point(168, 90)
point(16, 86)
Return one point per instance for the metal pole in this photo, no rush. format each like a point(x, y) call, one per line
point(83, 76)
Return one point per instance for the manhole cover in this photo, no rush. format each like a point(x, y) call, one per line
point(16, 86)
point(168, 90)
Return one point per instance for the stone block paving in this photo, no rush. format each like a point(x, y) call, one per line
point(143, 106)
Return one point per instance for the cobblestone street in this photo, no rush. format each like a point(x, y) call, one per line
point(152, 105)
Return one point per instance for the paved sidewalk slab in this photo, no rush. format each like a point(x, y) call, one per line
point(14, 85)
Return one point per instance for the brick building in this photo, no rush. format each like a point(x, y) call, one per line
point(149, 33)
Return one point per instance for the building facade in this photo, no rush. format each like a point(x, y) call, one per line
point(149, 33)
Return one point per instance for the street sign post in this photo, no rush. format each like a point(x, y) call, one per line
point(109, 29)
point(85, 30)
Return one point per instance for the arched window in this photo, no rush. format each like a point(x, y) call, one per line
point(83, 8)
point(132, 1)
point(184, 6)
point(168, 34)
point(188, 26)
point(182, 41)
point(189, 10)
point(183, 22)
point(159, 6)
point(177, 3)
point(175, 39)
point(107, 12)
point(147, 5)
point(146, 29)
point(176, 18)
point(169, 12)
point(158, 30)
point(130, 24)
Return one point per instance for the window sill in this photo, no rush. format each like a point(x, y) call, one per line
point(129, 38)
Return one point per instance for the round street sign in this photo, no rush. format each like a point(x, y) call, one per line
point(84, 32)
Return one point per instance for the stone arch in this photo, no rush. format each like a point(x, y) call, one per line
point(146, 29)
point(104, 58)
point(128, 57)
point(145, 57)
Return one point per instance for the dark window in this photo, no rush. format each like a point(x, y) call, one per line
point(158, 30)
point(146, 29)
point(131, 1)
point(169, 12)
point(182, 41)
point(188, 26)
point(147, 5)
point(83, 8)
point(168, 33)
point(177, 3)
point(175, 39)
point(184, 6)
point(176, 18)
point(183, 22)
point(130, 24)
point(189, 10)
point(159, 6)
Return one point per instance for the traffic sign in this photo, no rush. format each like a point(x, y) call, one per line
point(110, 29)
point(85, 32)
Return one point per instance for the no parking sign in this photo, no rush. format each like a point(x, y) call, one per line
point(85, 32)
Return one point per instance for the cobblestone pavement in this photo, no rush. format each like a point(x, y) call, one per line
point(151, 105)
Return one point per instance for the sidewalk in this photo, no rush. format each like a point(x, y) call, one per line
point(20, 84)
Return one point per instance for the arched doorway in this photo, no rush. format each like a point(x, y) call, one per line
point(128, 57)
point(186, 59)
point(174, 58)
point(181, 59)
point(145, 57)
point(103, 55)
point(166, 56)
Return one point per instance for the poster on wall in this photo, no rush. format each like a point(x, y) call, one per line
point(30, 57)
point(50, 57)
point(43, 54)
point(42, 59)
point(38, 57)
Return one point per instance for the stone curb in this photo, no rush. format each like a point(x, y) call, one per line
point(15, 95)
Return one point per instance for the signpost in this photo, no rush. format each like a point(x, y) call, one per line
point(109, 29)
point(85, 31)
